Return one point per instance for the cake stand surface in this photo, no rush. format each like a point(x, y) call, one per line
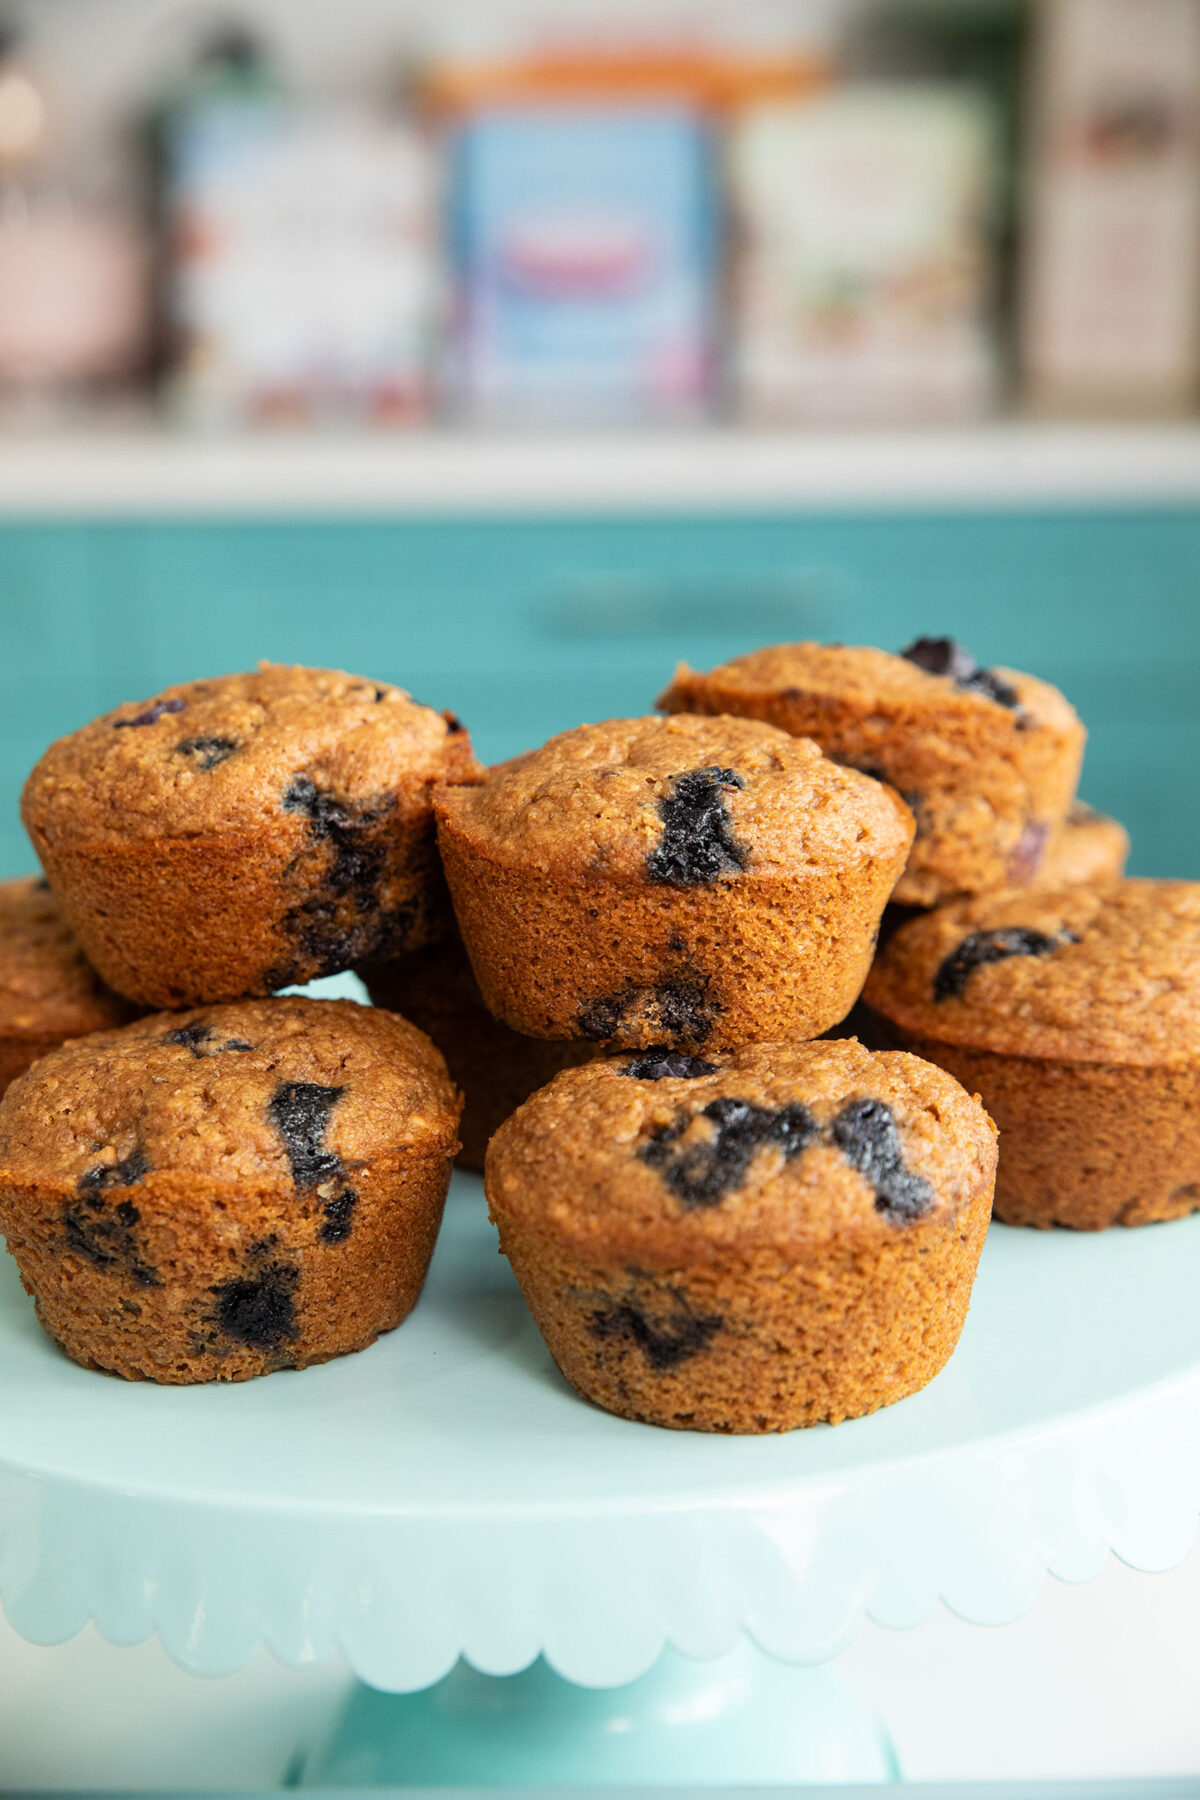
point(445, 1495)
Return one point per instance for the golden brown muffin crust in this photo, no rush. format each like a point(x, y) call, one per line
point(593, 798)
point(236, 1093)
point(1088, 848)
point(1109, 975)
point(48, 989)
point(988, 780)
point(871, 679)
point(597, 1156)
point(211, 757)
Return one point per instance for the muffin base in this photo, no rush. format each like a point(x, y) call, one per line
point(748, 960)
point(762, 1345)
point(176, 922)
point(1086, 1145)
point(178, 1281)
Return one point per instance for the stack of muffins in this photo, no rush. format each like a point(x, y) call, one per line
point(637, 948)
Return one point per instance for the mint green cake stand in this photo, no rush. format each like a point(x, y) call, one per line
point(531, 1590)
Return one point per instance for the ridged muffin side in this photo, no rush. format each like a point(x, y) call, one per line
point(772, 1237)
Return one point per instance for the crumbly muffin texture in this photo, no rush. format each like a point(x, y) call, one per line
point(494, 1067)
point(988, 759)
point(1109, 974)
point(238, 835)
point(773, 1236)
point(1075, 1014)
point(690, 881)
point(48, 989)
point(1087, 849)
point(216, 1193)
point(210, 757)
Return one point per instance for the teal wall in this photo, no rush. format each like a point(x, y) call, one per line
point(526, 626)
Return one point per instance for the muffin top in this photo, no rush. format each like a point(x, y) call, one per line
point(816, 687)
point(1106, 974)
point(678, 801)
point(1088, 847)
point(273, 1093)
point(657, 1156)
point(48, 989)
point(231, 754)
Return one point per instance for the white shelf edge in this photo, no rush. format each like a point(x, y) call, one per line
point(153, 473)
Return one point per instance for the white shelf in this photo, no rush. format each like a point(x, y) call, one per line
point(139, 472)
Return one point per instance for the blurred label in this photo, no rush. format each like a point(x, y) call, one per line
point(584, 264)
point(863, 274)
point(1111, 300)
point(304, 265)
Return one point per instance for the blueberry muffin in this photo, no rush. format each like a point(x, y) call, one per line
point(1087, 849)
point(1075, 1014)
point(987, 759)
point(48, 989)
point(685, 882)
point(749, 1241)
point(239, 835)
point(493, 1067)
point(210, 1195)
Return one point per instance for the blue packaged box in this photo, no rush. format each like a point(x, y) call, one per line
point(585, 267)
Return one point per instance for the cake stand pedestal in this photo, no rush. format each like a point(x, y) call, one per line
point(444, 1510)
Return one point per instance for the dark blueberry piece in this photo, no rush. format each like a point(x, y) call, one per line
point(190, 1036)
point(681, 1008)
point(338, 1215)
point(702, 1173)
point(993, 946)
point(989, 684)
point(236, 1044)
point(343, 923)
point(454, 724)
point(299, 1111)
point(942, 656)
point(697, 843)
point(657, 1063)
point(41, 886)
point(107, 1239)
point(133, 1168)
point(151, 714)
point(865, 1132)
point(261, 1311)
point(208, 751)
point(663, 1342)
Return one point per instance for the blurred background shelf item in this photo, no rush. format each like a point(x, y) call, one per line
point(532, 211)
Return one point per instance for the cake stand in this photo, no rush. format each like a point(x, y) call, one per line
point(444, 1510)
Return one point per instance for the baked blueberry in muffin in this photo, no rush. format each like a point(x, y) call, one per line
point(215, 1194)
point(750, 1240)
point(242, 834)
point(1075, 1014)
point(988, 759)
point(682, 882)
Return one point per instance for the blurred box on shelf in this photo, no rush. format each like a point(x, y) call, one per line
point(304, 274)
point(1110, 300)
point(862, 275)
point(584, 264)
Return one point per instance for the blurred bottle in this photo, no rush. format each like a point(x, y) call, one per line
point(74, 293)
point(302, 275)
point(1110, 301)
